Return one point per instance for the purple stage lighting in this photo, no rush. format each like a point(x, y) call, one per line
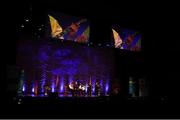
point(52, 88)
point(70, 63)
point(33, 89)
point(23, 88)
point(107, 87)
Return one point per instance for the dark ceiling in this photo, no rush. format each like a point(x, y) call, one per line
point(154, 19)
point(101, 12)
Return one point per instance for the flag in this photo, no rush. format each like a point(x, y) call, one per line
point(56, 29)
point(117, 39)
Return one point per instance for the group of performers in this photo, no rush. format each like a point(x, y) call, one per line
point(78, 89)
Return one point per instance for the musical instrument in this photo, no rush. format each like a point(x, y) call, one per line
point(82, 87)
point(71, 87)
point(72, 28)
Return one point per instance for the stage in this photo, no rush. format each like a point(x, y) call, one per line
point(85, 107)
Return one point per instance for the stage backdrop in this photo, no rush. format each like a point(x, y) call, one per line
point(55, 63)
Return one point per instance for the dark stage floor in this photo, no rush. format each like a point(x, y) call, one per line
point(85, 107)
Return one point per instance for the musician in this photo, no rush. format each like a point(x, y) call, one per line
point(97, 88)
point(81, 89)
point(76, 88)
point(47, 89)
point(89, 89)
point(66, 86)
point(71, 88)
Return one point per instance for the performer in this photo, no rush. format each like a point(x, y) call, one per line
point(89, 88)
point(76, 88)
point(97, 89)
point(66, 89)
point(47, 89)
point(82, 90)
point(71, 88)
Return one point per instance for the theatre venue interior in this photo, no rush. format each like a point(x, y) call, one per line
point(78, 61)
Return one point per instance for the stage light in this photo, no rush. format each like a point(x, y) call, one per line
point(130, 82)
point(32, 89)
point(42, 88)
point(22, 26)
point(23, 88)
point(131, 87)
point(53, 86)
point(52, 89)
point(93, 86)
point(86, 87)
point(61, 88)
point(99, 44)
point(107, 45)
point(107, 87)
point(101, 83)
point(27, 20)
point(39, 29)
